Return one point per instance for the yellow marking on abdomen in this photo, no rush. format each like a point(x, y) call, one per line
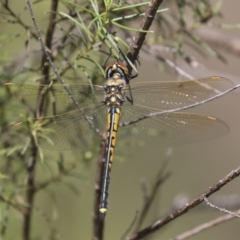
point(114, 132)
point(113, 119)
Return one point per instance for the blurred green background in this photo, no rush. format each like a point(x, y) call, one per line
point(193, 167)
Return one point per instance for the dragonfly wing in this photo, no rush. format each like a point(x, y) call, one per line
point(173, 95)
point(60, 132)
point(56, 99)
point(170, 129)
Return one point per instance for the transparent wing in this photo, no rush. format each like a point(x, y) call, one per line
point(155, 95)
point(170, 129)
point(171, 95)
point(60, 132)
point(71, 129)
point(138, 125)
point(56, 99)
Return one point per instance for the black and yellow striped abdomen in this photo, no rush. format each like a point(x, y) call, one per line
point(113, 118)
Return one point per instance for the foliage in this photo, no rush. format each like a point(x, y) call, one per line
point(81, 37)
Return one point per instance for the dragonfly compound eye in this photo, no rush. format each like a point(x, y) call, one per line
point(118, 68)
point(123, 68)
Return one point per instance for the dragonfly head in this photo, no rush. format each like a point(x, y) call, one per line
point(118, 70)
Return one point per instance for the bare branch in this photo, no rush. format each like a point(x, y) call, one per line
point(205, 226)
point(160, 179)
point(98, 223)
point(219, 208)
point(30, 193)
point(18, 19)
point(31, 166)
point(158, 224)
point(138, 39)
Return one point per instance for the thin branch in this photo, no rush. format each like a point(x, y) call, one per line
point(138, 39)
point(31, 166)
point(30, 193)
point(154, 114)
point(45, 65)
point(132, 55)
point(155, 51)
point(18, 20)
point(48, 40)
point(60, 79)
point(220, 209)
point(130, 226)
point(205, 226)
point(227, 201)
point(98, 223)
point(158, 224)
point(160, 179)
point(222, 202)
point(63, 172)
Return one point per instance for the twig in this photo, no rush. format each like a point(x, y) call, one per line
point(220, 209)
point(138, 39)
point(227, 201)
point(155, 51)
point(205, 226)
point(48, 40)
point(132, 55)
point(130, 226)
point(60, 79)
point(158, 224)
point(31, 165)
point(57, 178)
point(160, 179)
point(18, 20)
point(30, 193)
point(45, 65)
point(180, 108)
point(98, 223)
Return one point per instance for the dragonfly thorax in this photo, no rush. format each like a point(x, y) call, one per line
point(114, 91)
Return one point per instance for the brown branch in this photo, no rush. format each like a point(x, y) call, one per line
point(49, 37)
point(219, 208)
point(155, 50)
point(158, 224)
point(132, 55)
point(57, 178)
point(160, 179)
point(205, 226)
point(227, 201)
point(138, 39)
point(58, 75)
point(98, 223)
point(45, 64)
point(30, 193)
point(18, 19)
point(31, 167)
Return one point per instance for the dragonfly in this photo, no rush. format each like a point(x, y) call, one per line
point(146, 112)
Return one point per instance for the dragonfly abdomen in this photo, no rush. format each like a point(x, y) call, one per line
point(113, 119)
